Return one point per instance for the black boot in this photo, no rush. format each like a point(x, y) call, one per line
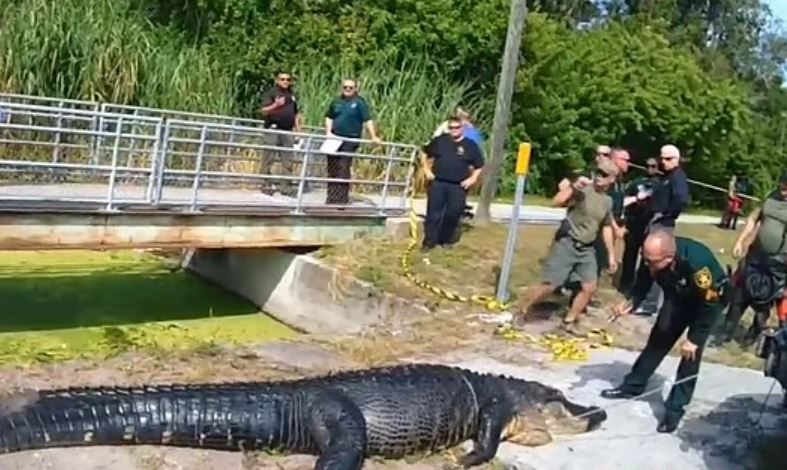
point(668, 425)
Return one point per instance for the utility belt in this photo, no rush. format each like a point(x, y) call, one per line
point(442, 180)
point(563, 231)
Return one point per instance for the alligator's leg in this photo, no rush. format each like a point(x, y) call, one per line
point(491, 423)
point(339, 430)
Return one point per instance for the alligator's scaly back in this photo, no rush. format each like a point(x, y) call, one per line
point(227, 416)
point(344, 417)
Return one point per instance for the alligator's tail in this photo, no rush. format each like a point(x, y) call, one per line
point(209, 417)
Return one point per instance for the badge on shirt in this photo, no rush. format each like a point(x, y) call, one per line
point(460, 150)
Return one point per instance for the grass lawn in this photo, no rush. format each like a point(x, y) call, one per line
point(67, 304)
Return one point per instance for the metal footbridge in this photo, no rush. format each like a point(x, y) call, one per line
point(87, 174)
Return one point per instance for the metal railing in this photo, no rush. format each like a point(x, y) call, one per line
point(71, 155)
point(135, 110)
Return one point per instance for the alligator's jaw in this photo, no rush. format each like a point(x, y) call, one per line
point(538, 426)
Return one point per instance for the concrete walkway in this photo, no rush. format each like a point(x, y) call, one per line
point(714, 435)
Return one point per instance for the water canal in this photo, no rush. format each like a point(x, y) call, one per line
point(68, 304)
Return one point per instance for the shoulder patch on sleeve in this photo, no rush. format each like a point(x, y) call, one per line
point(704, 281)
point(703, 278)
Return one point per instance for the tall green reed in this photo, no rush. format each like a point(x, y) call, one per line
point(105, 50)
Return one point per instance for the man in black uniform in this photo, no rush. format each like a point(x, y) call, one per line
point(281, 111)
point(692, 280)
point(452, 164)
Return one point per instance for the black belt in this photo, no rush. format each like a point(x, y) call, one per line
point(562, 232)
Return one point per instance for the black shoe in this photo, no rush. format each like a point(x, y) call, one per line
point(617, 393)
point(668, 425)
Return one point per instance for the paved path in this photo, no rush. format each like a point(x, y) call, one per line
point(714, 434)
point(542, 214)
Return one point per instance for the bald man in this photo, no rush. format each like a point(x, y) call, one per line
point(692, 280)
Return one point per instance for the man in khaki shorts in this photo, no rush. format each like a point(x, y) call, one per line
point(589, 211)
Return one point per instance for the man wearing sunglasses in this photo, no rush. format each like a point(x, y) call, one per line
point(280, 111)
point(669, 197)
point(589, 212)
point(345, 117)
point(637, 218)
point(693, 282)
point(452, 163)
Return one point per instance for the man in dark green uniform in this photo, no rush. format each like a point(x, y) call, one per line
point(692, 280)
point(637, 217)
point(346, 117)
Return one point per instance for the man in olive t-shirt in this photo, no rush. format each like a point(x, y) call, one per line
point(589, 211)
point(763, 246)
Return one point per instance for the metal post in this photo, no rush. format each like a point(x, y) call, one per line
point(154, 160)
point(113, 171)
point(195, 187)
point(389, 156)
point(522, 164)
point(59, 125)
point(161, 165)
point(304, 171)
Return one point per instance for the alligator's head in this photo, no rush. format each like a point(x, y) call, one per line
point(542, 412)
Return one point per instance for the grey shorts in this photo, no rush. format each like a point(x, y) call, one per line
point(565, 259)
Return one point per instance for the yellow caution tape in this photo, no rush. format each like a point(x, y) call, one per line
point(562, 348)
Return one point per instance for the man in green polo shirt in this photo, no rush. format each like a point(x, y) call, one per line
point(345, 117)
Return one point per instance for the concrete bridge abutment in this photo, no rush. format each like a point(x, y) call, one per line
point(300, 290)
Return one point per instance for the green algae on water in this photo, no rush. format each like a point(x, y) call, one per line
point(61, 305)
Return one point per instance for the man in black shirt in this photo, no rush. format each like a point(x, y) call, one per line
point(669, 197)
point(671, 192)
point(281, 112)
point(452, 164)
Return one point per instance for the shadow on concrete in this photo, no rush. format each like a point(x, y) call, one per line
point(613, 373)
point(251, 273)
point(732, 436)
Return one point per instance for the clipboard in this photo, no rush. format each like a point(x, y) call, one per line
point(330, 146)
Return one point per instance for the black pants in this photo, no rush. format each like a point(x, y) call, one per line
point(628, 270)
point(673, 319)
point(445, 205)
point(339, 167)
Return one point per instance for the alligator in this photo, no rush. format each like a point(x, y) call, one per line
point(342, 418)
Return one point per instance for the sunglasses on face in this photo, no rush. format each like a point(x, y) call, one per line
point(348, 87)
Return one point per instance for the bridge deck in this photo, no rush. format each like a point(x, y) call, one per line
point(75, 197)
